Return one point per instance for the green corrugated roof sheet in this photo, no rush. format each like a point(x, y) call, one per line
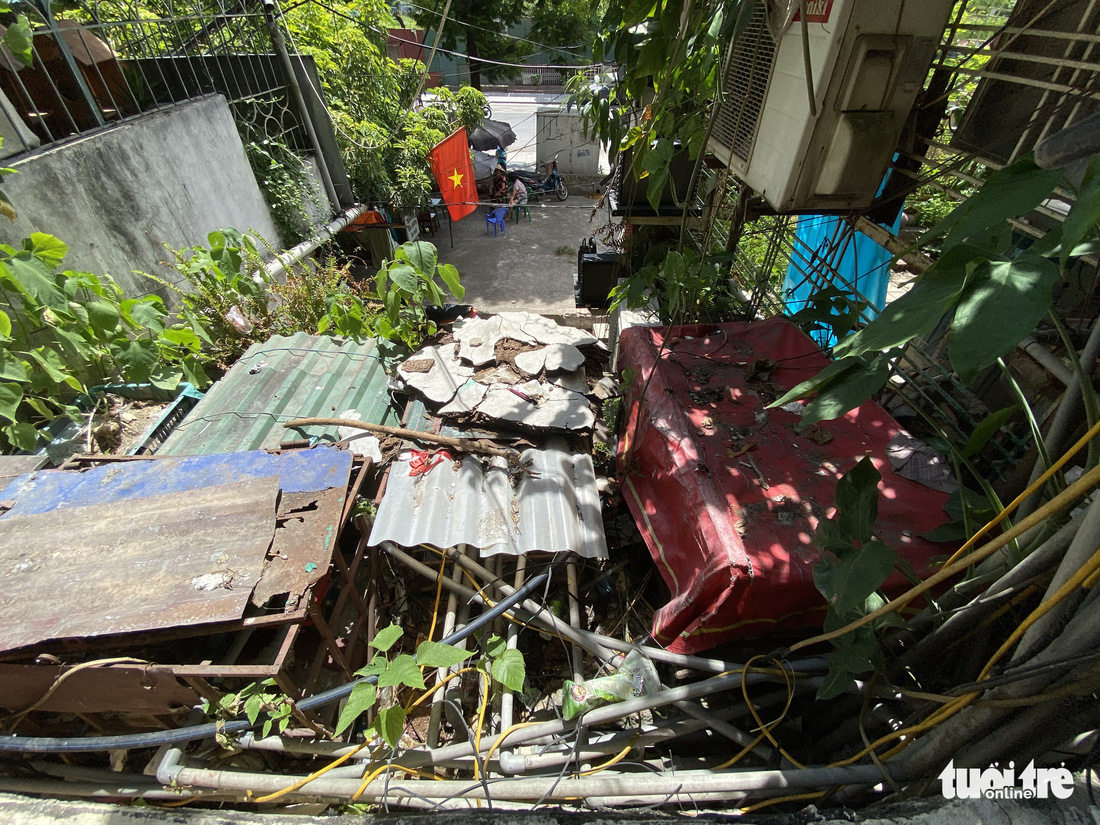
point(299, 376)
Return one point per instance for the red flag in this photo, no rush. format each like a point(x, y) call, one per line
point(455, 175)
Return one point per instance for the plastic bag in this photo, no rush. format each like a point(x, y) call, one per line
point(634, 677)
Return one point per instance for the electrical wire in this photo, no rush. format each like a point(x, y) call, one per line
point(1084, 484)
point(1039, 482)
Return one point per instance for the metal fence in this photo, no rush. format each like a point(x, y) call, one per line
point(116, 60)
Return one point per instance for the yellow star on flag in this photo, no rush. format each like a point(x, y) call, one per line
point(456, 179)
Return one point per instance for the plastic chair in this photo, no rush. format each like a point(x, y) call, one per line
point(526, 211)
point(496, 218)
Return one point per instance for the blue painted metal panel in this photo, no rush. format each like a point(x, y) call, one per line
point(300, 471)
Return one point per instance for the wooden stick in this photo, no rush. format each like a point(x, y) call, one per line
point(465, 445)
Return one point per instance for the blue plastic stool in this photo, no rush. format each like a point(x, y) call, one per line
point(496, 218)
point(526, 211)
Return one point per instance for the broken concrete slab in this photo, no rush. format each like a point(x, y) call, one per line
point(478, 337)
point(575, 381)
point(552, 358)
point(532, 404)
point(541, 406)
point(359, 441)
point(436, 372)
point(469, 396)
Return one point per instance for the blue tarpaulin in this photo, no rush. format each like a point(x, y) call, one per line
point(863, 266)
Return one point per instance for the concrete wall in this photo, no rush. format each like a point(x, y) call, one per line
point(560, 134)
point(115, 196)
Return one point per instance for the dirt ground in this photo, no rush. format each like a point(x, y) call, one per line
point(531, 266)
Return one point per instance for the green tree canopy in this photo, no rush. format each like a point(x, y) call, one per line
point(480, 30)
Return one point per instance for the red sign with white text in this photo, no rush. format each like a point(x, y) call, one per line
point(817, 11)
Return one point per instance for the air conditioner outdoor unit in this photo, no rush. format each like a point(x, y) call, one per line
point(869, 59)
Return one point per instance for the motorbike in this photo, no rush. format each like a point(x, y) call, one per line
point(536, 188)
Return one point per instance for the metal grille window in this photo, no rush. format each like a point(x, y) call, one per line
point(746, 84)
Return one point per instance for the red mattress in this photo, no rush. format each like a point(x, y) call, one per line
point(738, 556)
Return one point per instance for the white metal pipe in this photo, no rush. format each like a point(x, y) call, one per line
point(573, 589)
point(441, 673)
point(548, 787)
point(507, 701)
point(293, 255)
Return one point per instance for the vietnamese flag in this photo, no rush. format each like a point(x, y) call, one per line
point(455, 175)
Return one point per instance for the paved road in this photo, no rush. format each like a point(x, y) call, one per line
point(531, 266)
point(519, 111)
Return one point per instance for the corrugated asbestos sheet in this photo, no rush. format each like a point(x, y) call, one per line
point(299, 376)
point(554, 509)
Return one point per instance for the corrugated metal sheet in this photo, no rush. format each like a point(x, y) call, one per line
point(286, 377)
point(556, 509)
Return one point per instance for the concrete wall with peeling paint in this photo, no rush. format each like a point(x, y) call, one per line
point(115, 196)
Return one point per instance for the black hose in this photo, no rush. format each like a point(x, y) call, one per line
point(154, 739)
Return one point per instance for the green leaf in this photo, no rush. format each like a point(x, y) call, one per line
point(46, 248)
point(847, 585)
point(405, 277)
point(998, 310)
point(917, 312)
point(433, 654)
point(811, 385)
point(102, 316)
point(166, 377)
point(421, 255)
point(34, 280)
point(182, 338)
point(986, 429)
point(51, 362)
point(1009, 192)
point(402, 671)
point(10, 396)
point(5, 325)
point(450, 277)
point(147, 312)
point(22, 435)
point(1085, 213)
point(391, 724)
point(495, 646)
point(138, 360)
point(857, 500)
point(386, 637)
point(193, 372)
point(12, 368)
point(375, 667)
point(362, 698)
point(18, 39)
point(510, 670)
point(846, 392)
point(252, 707)
point(829, 537)
point(836, 682)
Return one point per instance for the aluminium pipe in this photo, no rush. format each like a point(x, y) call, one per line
point(657, 654)
point(545, 787)
point(63, 744)
point(1063, 419)
point(293, 255)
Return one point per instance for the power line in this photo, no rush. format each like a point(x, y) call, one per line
point(542, 46)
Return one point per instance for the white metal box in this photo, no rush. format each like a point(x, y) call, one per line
point(868, 58)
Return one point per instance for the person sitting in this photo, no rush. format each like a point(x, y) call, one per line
point(498, 189)
point(518, 196)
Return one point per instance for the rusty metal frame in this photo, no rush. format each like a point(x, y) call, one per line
point(199, 677)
